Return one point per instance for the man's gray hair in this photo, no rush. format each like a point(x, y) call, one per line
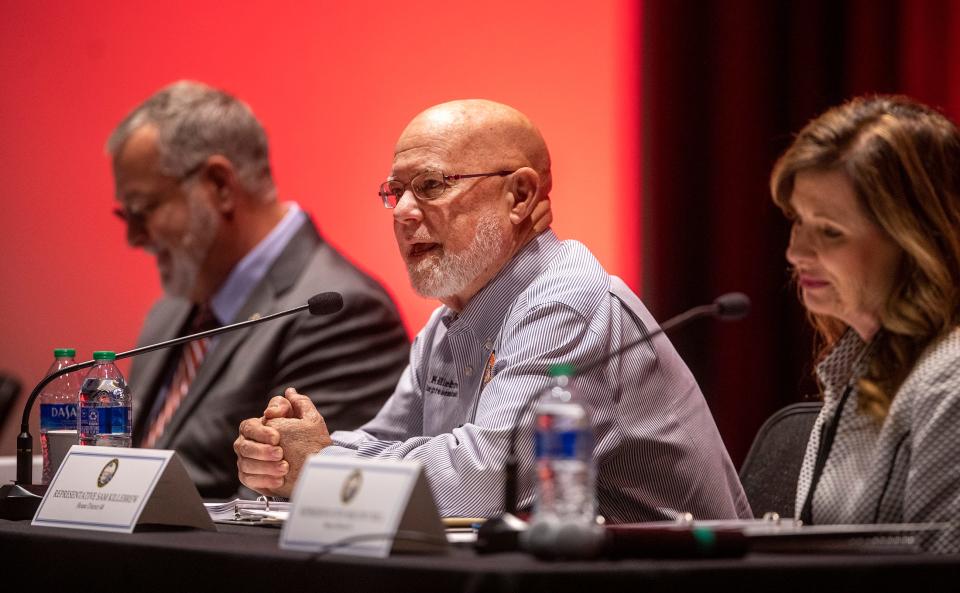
point(195, 121)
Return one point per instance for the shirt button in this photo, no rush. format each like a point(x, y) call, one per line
point(468, 370)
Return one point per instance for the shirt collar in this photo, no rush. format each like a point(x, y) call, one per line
point(485, 312)
point(250, 270)
point(846, 363)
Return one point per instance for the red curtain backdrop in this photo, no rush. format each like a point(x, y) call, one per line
point(726, 83)
point(334, 84)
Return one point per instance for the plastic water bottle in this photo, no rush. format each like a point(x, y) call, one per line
point(106, 412)
point(58, 404)
point(564, 523)
point(566, 475)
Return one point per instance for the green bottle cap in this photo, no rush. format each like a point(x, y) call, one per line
point(562, 370)
point(62, 352)
point(104, 355)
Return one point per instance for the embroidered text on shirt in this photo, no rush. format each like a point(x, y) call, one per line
point(442, 386)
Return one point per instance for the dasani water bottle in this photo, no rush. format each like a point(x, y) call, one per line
point(564, 522)
point(105, 405)
point(58, 405)
point(564, 453)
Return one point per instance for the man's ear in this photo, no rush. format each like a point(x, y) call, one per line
point(220, 179)
point(524, 194)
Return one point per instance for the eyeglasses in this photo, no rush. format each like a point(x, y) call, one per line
point(426, 186)
point(139, 215)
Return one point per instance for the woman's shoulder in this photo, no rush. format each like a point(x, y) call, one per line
point(937, 371)
point(941, 358)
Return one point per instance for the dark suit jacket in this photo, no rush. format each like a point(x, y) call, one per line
point(348, 363)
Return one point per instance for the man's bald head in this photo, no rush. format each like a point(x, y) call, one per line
point(482, 133)
point(492, 200)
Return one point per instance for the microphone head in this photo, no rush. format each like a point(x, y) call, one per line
point(325, 303)
point(732, 306)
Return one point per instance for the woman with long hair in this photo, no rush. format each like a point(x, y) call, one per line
point(873, 190)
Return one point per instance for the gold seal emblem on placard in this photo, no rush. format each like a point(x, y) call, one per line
point(107, 473)
point(351, 486)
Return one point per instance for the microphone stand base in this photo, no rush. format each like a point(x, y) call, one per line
point(20, 501)
point(500, 534)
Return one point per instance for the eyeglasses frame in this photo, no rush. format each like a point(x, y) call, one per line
point(139, 217)
point(446, 178)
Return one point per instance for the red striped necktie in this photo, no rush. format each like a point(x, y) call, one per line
point(191, 356)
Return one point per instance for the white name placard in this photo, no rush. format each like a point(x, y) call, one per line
point(356, 506)
point(117, 488)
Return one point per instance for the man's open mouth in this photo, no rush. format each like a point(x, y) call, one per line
point(418, 249)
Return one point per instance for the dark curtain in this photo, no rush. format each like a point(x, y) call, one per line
point(726, 84)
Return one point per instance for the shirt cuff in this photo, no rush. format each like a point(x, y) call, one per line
point(336, 451)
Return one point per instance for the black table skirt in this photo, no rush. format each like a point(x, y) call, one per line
point(244, 558)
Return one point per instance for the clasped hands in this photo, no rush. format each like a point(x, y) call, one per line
point(272, 450)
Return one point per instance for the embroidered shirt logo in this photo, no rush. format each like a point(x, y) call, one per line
point(438, 385)
point(488, 370)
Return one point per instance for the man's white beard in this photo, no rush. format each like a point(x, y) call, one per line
point(444, 274)
point(187, 257)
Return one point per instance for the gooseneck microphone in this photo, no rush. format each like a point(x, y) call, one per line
point(324, 303)
point(501, 533)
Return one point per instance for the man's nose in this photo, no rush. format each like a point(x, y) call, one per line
point(137, 235)
point(407, 209)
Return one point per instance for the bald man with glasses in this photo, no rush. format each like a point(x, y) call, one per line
point(469, 194)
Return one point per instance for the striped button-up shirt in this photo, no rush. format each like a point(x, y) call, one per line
point(657, 450)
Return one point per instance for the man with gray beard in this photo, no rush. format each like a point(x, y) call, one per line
point(469, 191)
point(194, 189)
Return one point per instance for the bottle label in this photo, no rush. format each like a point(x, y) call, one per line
point(565, 444)
point(112, 420)
point(90, 421)
point(58, 417)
